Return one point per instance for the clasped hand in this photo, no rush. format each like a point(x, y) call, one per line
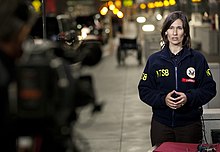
point(175, 99)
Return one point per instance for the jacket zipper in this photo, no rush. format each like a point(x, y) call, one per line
point(176, 78)
point(176, 87)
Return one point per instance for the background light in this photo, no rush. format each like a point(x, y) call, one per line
point(120, 14)
point(104, 11)
point(143, 6)
point(141, 19)
point(148, 27)
point(159, 17)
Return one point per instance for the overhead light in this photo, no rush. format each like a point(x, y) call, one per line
point(143, 6)
point(148, 28)
point(120, 14)
point(141, 19)
point(159, 17)
point(104, 11)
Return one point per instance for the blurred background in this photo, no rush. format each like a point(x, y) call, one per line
point(108, 43)
point(106, 19)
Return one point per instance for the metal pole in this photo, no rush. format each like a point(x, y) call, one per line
point(44, 19)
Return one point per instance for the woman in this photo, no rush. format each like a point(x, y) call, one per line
point(176, 83)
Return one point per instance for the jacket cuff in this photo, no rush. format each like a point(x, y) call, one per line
point(163, 100)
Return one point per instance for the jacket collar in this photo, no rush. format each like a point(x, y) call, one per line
point(165, 53)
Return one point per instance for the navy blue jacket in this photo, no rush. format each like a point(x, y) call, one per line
point(191, 75)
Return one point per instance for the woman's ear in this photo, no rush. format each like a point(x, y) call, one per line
point(165, 33)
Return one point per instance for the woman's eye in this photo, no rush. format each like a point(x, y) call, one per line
point(180, 28)
point(171, 27)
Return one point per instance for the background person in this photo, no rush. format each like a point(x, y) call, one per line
point(176, 83)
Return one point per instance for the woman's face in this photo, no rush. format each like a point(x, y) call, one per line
point(175, 33)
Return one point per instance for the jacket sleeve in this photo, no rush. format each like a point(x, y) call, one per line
point(206, 89)
point(147, 88)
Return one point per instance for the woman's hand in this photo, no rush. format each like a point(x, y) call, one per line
point(175, 99)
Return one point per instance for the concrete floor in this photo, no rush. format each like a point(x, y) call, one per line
point(123, 125)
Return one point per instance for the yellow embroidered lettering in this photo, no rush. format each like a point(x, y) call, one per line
point(144, 76)
point(208, 72)
point(162, 73)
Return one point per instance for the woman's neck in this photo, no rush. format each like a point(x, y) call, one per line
point(175, 49)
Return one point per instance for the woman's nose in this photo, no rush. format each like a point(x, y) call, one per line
point(174, 31)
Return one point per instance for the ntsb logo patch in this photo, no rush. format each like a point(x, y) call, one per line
point(191, 72)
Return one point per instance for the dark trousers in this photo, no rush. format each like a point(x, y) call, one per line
point(187, 134)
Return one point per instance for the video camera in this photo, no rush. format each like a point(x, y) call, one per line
point(49, 91)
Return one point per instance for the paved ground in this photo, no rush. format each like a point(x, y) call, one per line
point(123, 125)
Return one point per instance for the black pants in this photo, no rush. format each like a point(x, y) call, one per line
point(188, 134)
